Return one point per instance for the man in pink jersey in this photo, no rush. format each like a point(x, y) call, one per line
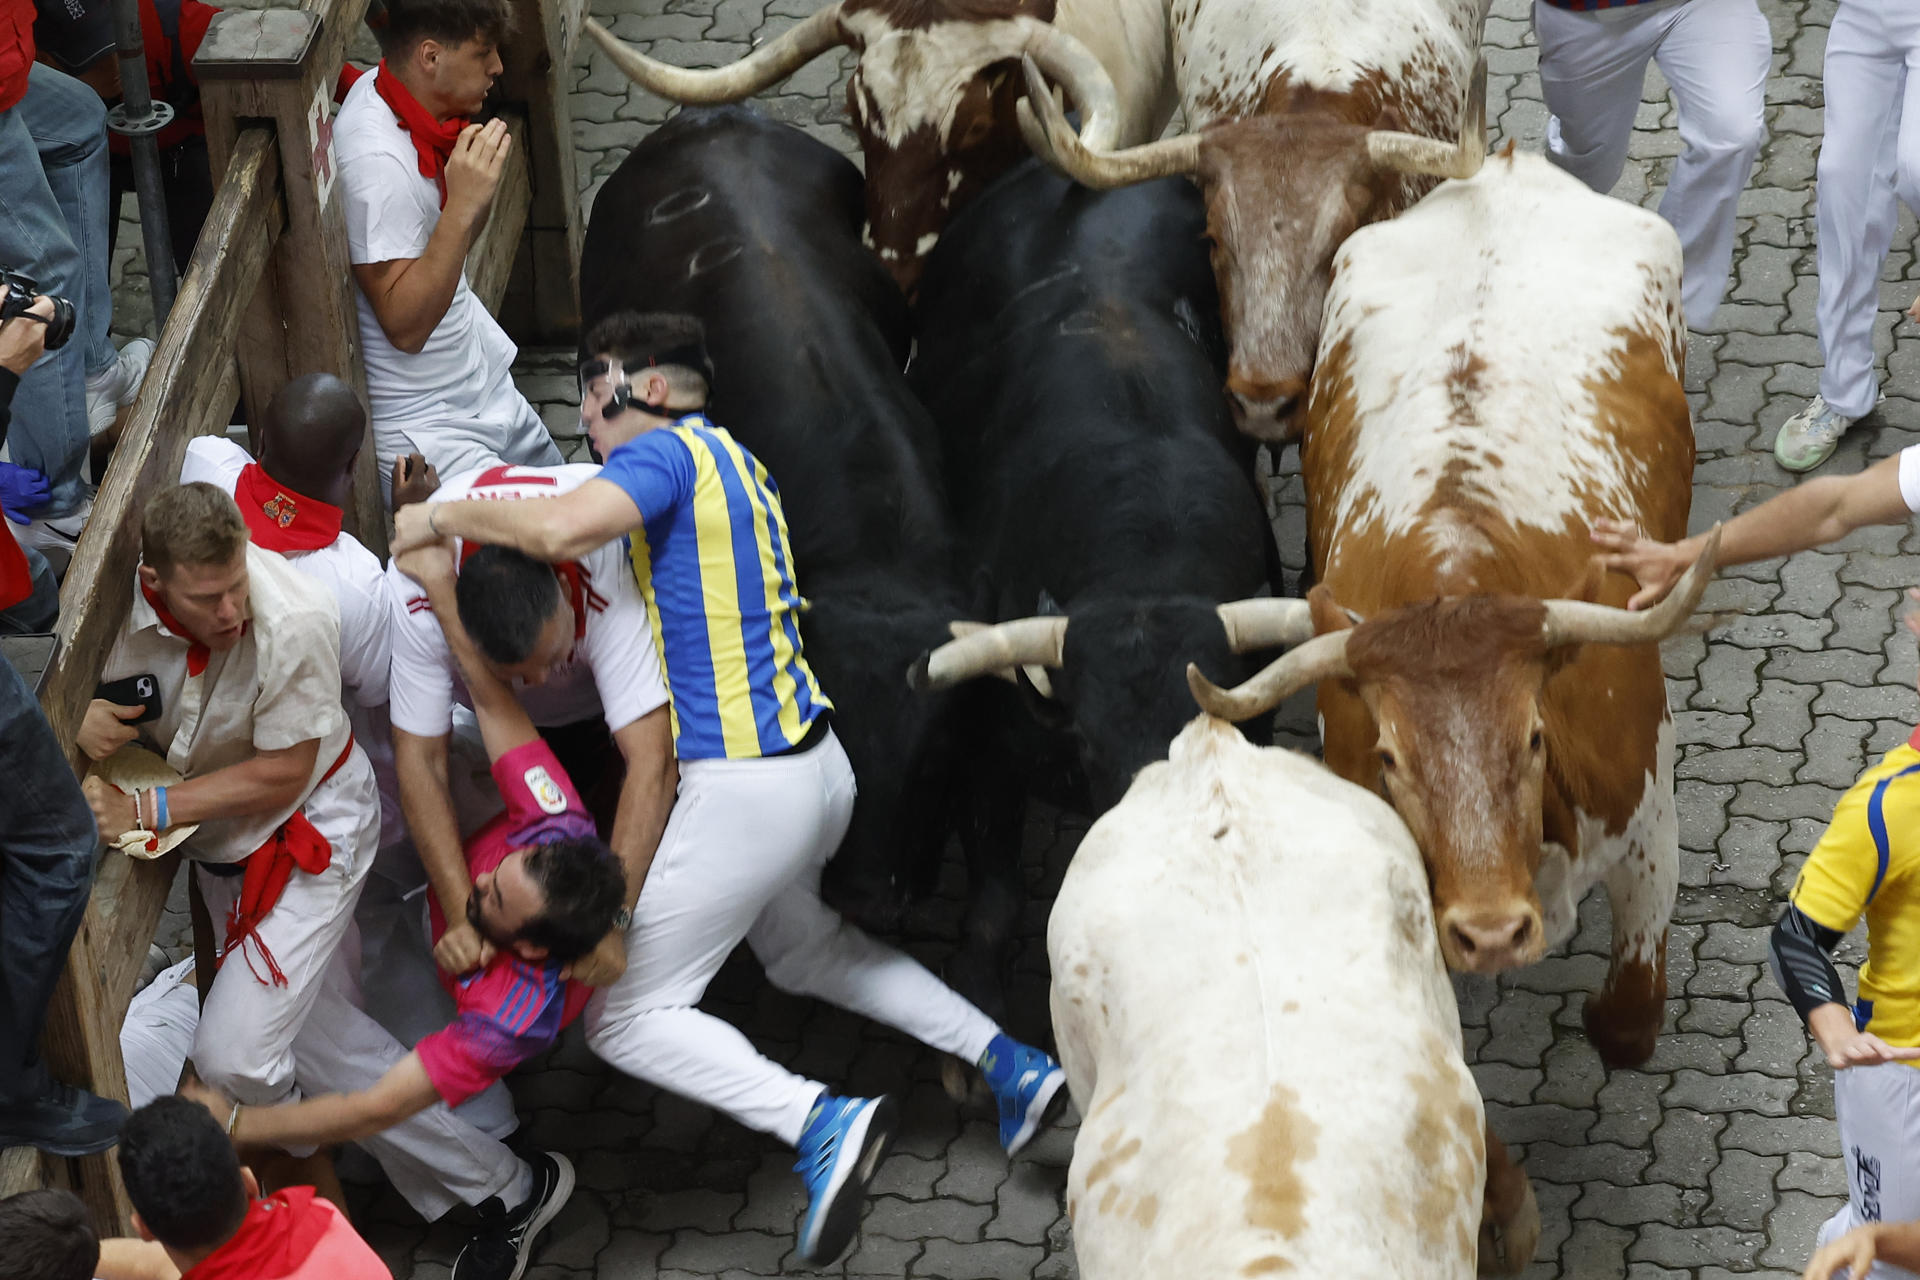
point(544, 892)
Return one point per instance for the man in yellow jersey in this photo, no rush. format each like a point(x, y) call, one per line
point(765, 790)
point(1866, 864)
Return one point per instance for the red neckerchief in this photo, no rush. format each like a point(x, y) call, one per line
point(280, 519)
point(197, 653)
point(576, 580)
point(16, 579)
point(432, 139)
point(275, 1238)
point(295, 843)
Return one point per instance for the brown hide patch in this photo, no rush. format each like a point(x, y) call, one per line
point(1266, 1266)
point(1147, 1210)
point(1112, 1156)
point(1107, 1101)
point(908, 15)
point(1443, 1139)
point(1268, 1156)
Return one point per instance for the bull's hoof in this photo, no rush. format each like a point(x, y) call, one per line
point(1508, 1240)
point(1622, 1034)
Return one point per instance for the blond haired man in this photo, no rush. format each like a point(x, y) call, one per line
point(235, 659)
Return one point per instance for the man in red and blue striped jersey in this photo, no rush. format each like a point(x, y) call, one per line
point(765, 791)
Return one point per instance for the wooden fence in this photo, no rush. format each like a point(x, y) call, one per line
point(267, 297)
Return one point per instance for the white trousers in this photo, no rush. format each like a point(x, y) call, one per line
point(244, 1045)
point(507, 430)
point(157, 1034)
point(1716, 54)
point(741, 859)
point(1879, 1113)
point(1869, 161)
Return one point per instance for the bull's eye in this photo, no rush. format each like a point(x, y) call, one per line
point(1536, 742)
point(1387, 761)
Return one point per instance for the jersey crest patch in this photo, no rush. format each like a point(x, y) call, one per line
point(545, 791)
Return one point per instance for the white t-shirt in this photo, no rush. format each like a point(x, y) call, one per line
point(277, 688)
point(358, 582)
point(613, 669)
point(1910, 477)
point(454, 400)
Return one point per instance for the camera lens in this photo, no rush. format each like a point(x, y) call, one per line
point(60, 327)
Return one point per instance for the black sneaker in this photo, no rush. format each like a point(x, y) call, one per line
point(499, 1250)
point(63, 1121)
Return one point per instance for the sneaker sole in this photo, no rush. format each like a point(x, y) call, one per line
point(1047, 1105)
point(838, 1224)
point(91, 1147)
point(556, 1200)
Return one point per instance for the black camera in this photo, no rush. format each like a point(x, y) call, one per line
point(21, 291)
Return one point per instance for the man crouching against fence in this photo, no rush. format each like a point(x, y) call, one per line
point(235, 657)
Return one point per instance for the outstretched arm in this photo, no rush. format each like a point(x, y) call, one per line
point(1806, 516)
point(551, 529)
point(1895, 1243)
point(504, 723)
point(405, 1090)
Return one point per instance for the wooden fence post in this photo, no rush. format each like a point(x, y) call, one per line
point(538, 62)
point(278, 67)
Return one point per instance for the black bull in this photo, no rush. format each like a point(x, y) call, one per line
point(1070, 350)
point(755, 228)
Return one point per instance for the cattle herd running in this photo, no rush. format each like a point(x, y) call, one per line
point(1049, 518)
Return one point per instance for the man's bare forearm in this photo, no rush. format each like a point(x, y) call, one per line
point(410, 300)
point(426, 799)
point(267, 783)
point(403, 1091)
point(646, 797)
point(1811, 515)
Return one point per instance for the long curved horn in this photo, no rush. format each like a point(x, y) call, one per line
point(1412, 154)
point(1320, 658)
point(1073, 66)
point(769, 64)
point(1045, 127)
point(1265, 623)
point(1024, 642)
point(1582, 622)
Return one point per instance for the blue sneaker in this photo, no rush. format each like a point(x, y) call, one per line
point(1026, 1083)
point(840, 1149)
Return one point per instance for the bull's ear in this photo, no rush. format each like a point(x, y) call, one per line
point(1326, 612)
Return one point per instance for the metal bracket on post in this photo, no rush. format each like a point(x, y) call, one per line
point(138, 118)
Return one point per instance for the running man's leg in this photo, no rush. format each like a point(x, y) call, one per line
point(1592, 73)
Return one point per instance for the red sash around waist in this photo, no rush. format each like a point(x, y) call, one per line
point(296, 843)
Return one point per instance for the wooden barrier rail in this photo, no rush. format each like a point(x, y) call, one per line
point(267, 297)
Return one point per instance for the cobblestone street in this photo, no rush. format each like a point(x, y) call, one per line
point(1718, 1157)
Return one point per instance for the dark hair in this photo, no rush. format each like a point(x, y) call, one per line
point(182, 1175)
point(448, 22)
point(505, 597)
point(674, 343)
point(47, 1236)
point(585, 888)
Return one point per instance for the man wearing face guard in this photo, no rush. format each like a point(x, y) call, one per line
point(765, 790)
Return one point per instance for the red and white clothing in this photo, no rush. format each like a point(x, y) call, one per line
point(358, 583)
point(1716, 54)
point(277, 688)
point(612, 672)
point(454, 400)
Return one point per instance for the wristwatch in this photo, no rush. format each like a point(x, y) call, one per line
point(622, 918)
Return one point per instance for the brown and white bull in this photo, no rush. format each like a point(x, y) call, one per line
point(1297, 111)
point(933, 91)
point(1259, 1032)
point(1499, 367)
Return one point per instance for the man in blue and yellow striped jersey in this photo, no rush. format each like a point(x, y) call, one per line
point(765, 790)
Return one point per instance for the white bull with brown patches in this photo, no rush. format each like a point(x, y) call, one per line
point(1257, 1027)
point(1499, 367)
point(1308, 119)
point(933, 90)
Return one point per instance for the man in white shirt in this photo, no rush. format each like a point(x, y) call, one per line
point(419, 183)
point(244, 654)
point(576, 643)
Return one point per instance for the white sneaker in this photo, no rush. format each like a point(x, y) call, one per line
point(114, 388)
point(55, 538)
point(1810, 436)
